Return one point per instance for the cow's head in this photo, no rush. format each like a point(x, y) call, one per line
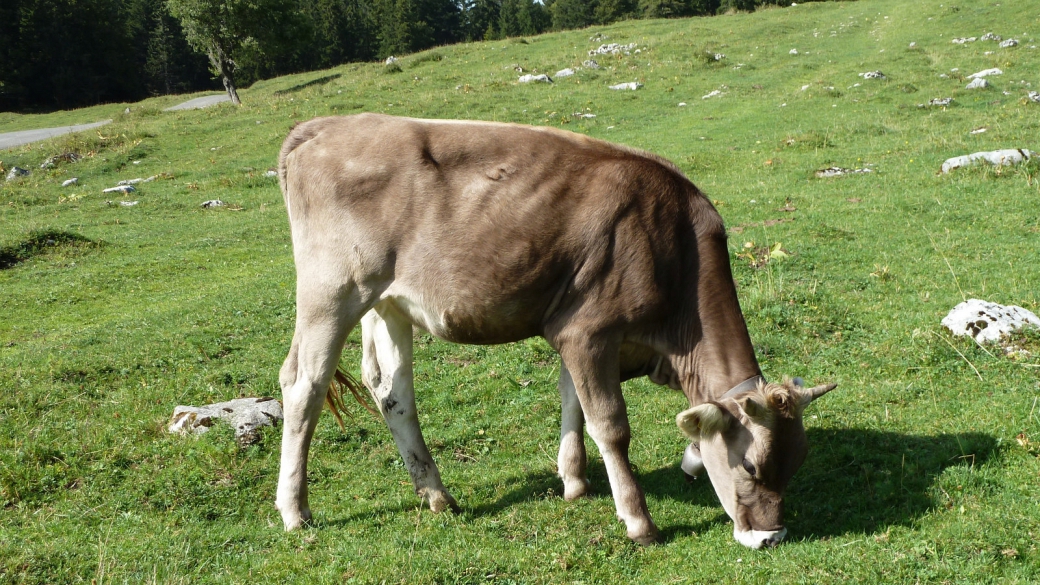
point(751, 443)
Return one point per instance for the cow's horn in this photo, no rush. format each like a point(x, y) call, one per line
point(810, 394)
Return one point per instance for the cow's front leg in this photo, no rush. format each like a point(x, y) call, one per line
point(594, 369)
point(387, 371)
point(572, 460)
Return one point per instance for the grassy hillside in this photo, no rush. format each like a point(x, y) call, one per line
point(924, 463)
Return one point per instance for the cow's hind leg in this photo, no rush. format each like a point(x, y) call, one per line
point(324, 317)
point(572, 460)
point(387, 371)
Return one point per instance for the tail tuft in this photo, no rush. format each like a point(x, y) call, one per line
point(334, 397)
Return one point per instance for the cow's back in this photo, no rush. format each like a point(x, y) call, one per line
point(459, 221)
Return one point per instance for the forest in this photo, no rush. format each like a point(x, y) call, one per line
point(59, 54)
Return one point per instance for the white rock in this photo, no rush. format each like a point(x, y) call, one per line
point(131, 181)
point(1034, 96)
point(541, 77)
point(611, 49)
point(986, 73)
point(120, 189)
point(390, 60)
point(246, 415)
point(72, 181)
point(631, 85)
point(128, 203)
point(979, 83)
point(979, 130)
point(586, 116)
point(719, 56)
point(1008, 44)
point(212, 203)
point(961, 41)
point(1005, 157)
point(839, 171)
point(793, 52)
point(806, 86)
point(940, 102)
point(590, 64)
point(714, 93)
point(990, 37)
point(271, 173)
point(913, 45)
point(683, 104)
point(564, 72)
point(987, 321)
point(16, 172)
point(873, 75)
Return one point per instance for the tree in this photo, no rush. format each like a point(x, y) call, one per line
point(226, 29)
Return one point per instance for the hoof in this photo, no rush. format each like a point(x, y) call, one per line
point(575, 489)
point(440, 500)
point(648, 539)
point(295, 521)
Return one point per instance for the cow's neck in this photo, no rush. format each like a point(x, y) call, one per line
point(722, 356)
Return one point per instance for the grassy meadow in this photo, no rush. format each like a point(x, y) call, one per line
point(924, 463)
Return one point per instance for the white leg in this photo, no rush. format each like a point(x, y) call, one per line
point(387, 371)
point(323, 320)
point(572, 460)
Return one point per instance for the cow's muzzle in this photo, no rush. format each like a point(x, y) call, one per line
point(757, 539)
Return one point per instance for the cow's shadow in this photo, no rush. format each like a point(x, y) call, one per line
point(854, 481)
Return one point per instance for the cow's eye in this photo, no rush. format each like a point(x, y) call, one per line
point(748, 467)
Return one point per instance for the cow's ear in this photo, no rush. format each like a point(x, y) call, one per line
point(754, 409)
point(703, 421)
point(807, 395)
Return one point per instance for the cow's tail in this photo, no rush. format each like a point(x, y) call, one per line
point(334, 397)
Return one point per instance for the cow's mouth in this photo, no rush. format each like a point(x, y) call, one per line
point(757, 539)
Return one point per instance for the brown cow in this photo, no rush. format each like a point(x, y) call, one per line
point(489, 233)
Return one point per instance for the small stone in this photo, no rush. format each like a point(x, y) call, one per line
point(16, 172)
point(683, 104)
point(714, 93)
point(541, 78)
point(979, 130)
point(246, 415)
point(1004, 157)
point(942, 102)
point(986, 321)
point(990, 37)
point(793, 52)
point(72, 181)
point(839, 171)
point(128, 203)
point(979, 83)
point(629, 86)
point(212, 203)
point(590, 64)
point(913, 45)
point(1008, 44)
point(873, 75)
point(120, 189)
point(564, 72)
point(1034, 96)
point(271, 173)
point(986, 73)
point(390, 60)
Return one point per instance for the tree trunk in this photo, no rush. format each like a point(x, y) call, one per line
point(226, 69)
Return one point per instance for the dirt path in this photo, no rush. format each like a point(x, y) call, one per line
point(12, 139)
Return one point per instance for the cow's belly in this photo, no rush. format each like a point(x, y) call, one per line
point(471, 323)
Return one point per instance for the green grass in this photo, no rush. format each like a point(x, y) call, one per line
point(924, 463)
